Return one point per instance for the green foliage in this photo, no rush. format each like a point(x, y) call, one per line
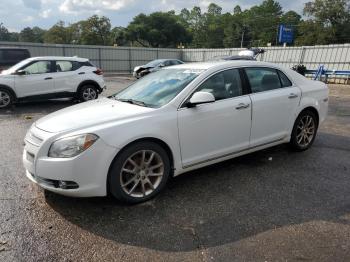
point(35, 34)
point(157, 30)
point(59, 34)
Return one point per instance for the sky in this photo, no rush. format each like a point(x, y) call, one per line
point(17, 14)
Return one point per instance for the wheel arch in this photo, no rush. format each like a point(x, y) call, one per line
point(10, 90)
point(158, 141)
point(89, 82)
point(312, 109)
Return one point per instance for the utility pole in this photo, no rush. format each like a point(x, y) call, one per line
point(242, 38)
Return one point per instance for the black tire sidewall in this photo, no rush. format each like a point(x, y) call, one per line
point(293, 140)
point(81, 90)
point(114, 185)
point(10, 95)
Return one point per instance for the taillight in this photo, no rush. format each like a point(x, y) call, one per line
point(98, 72)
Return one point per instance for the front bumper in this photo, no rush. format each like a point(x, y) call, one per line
point(88, 170)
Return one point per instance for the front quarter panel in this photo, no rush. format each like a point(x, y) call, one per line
point(8, 81)
point(160, 124)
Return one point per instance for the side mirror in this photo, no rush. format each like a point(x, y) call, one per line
point(20, 72)
point(200, 98)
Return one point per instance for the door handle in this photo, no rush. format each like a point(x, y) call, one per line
point(47, 78)
point(81, 73)
point(292, 95)
point(242, 106)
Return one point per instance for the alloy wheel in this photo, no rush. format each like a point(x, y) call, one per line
point(305, 131)
point(142, 173)
point(5, 99)
point(89, 94)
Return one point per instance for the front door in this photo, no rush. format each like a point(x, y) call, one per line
point(213, 130)
point(37, 80)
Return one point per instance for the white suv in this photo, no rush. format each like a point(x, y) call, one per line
point(50, 77)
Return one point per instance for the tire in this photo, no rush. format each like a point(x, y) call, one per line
point(6, 98)
point(132, 180)
point(87, 93)
point(304, 131)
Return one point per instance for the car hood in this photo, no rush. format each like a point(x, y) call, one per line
point(88, 114)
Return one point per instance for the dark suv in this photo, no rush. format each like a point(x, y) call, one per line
point(10, 56)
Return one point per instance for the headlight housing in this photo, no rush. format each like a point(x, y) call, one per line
point(71, 146)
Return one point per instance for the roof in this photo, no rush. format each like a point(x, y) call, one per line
point(74, 58)
point(223, 63)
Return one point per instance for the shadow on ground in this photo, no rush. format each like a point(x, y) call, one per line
point(226, 202)
point(37, 107)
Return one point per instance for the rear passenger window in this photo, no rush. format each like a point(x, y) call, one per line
point(64, 66)
point(284, 79)
point(263, 79)
point(223, 85)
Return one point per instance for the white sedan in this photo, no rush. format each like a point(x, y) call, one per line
point(175, 120)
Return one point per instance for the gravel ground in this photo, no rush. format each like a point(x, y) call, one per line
point(273, 205)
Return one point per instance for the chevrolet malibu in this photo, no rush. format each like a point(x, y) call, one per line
point(175, 120)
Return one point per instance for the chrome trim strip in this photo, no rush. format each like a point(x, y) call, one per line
point(232, 153)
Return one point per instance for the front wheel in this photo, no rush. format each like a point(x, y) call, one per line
point(87, 93)
point(139, 172)
point(6, 98)
point(304, 131)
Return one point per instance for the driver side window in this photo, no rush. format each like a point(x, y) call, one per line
point(39, 67)
point(223, 85)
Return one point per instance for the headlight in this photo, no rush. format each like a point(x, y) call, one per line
point(71, 146)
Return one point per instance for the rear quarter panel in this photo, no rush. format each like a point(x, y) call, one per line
point(315, 94)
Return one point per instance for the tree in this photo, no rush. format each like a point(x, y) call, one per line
point(332, 14)
point(120, 36)
point(59, 34)
point(158, 30)
point(5, 35)
point(237, 10)
point(33, 35)
point(96, 30)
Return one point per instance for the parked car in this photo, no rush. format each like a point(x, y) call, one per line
point(10, 56)
point(153, 66)
point(248, 54)
point(172, 121)
point(50, 77)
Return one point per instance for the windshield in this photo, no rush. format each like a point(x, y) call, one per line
point(154, 63)
point(159, 88)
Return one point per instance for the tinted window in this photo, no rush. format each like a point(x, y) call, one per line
point(39, 67)
point(167, 63)
point(263, 79)
point(284, 79)
point(223, 85)
point(64, 66)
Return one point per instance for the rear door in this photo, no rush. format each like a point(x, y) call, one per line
point(67, 76)
point(274, 103)
point(37, 80)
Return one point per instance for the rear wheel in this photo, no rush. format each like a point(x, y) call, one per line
point(87, 93)
point(139, 172)
point(304, 131)
point(6, 98)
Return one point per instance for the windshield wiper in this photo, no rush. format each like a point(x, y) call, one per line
point(132, 101)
